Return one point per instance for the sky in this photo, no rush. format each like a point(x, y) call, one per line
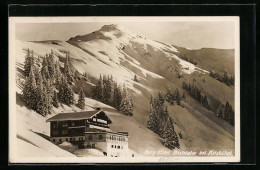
point(193, 35)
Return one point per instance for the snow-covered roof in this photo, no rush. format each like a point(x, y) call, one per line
point(74, 116)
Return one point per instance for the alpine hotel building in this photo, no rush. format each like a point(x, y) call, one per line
point(88, 129)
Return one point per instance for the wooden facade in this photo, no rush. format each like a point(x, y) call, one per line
point(88, 129)
point(71, 126)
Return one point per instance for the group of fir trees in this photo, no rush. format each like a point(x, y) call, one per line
point(178, 72)
point(161, 123)
point(108, 91)
point(42, 81)
point(184, 57)
point(171, 98)
point(195, 93)
point(223, 78)
point(226, 112)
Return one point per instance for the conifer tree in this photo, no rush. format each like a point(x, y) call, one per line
point(42, 104)
point(117, 97)
point(30, 91)
point(136, 79)
point(225, 76)
point(55, 102)
point(177, 97)
point(154, 118)
point(126, 104)
point(29, 63)
point(160, 98)
point(184, 96)
point(112, 83)
point(171, 140)
point(81, 101)
point(99, 90)
point(151, 124)
point(220, 113)
point(49, 95)
point(68, 69)
point(163, 115)
point(57, 74)
point(205, 102)
point(107, 88)
point(226, 112)
point(168, 97)
point(65, 94)
point(51, 64)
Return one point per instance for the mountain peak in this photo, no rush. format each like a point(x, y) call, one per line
point(110, 27)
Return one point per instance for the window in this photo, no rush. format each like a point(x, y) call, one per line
point(93, 145)
point(118, 147)
point(64, 132)
point(112, 146)
point(60, 140)
point(90, 137)
point(55, 132)
point(100, 137)
point(53, 140)
point(67, 139)
point(64, 124)
point(54, 124)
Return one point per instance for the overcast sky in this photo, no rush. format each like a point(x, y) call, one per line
point(194, 35)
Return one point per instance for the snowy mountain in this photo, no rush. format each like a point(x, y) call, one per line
point(114, 50)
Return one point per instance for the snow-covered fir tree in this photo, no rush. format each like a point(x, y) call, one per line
point(49, 95)
point(55, 102)
point(44, 70)
point(30, 91)
point(117, 97)
point(29, 62)
point(163, 114)
point(170, 138)
point(99, 90)
point(65, 94)
point(68, 69)
point(81, 100)
point(107, 88)
point(57, 74)
point(42, 104)
point(126, 105)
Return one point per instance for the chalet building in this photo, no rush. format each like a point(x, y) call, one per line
point(89, 129)
point(114, 144)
